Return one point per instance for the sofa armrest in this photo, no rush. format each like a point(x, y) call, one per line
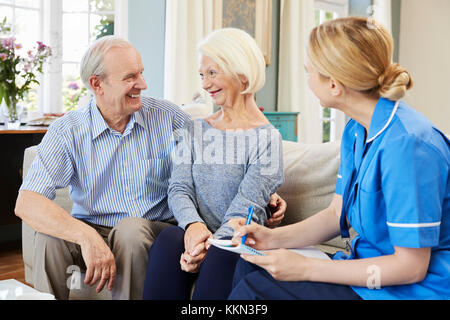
point(62, 199)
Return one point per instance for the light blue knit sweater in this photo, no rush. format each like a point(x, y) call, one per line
point(218, 174)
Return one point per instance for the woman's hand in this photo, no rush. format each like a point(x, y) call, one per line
point(282, 264)
point(192, 262)
point(196, 246)
point(258, 236)
point(278, 207)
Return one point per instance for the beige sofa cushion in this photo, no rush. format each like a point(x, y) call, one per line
point(310, 173)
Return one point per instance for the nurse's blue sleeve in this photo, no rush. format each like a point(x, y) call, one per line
point(414, 178)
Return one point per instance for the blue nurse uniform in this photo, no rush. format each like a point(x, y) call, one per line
point(395, 183)
point(395, 187)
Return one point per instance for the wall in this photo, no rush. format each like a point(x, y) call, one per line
point(267, 96)
point(396, 20)
point(425, 52)
point(359, 7)
point(146, 31)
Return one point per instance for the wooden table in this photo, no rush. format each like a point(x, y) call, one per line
point(23, 130)
point(12, 146)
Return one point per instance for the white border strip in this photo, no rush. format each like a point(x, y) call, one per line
point(414, 225)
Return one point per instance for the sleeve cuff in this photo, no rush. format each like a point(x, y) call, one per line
point(410, 235)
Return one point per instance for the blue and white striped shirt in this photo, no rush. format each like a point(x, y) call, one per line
point(111, 175)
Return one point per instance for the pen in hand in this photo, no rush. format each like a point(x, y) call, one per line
point(249, 219)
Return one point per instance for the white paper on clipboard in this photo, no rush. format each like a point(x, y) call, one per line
point(309, 252)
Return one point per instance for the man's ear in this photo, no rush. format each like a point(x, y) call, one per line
point(336, 88)
point(96, 84)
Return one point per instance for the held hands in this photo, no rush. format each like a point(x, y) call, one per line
point(196, 246)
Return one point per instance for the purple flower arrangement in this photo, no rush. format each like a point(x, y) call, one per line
point(18, 71)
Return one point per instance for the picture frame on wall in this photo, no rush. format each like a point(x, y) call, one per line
point(253, 16)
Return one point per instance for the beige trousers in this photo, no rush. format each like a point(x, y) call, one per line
point(55, 259)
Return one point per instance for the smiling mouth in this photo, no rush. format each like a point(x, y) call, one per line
point(213, 93)
point(133, 95)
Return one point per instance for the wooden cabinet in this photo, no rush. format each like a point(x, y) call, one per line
point(285, 122)
point(13, 144)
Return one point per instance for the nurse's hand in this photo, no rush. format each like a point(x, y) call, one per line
point(258, 236)
point(282, 264)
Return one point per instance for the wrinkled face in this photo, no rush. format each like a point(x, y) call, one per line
point(120, 90)
point(223, 88)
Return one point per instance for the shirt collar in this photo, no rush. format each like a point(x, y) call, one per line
point(99, 124)
point(139, 118)
point(382, 116)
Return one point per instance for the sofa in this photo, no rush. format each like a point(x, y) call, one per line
point(310, 176)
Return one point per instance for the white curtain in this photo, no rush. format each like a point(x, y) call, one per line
point(187, 22)
point(121, 19)
point(296, 23)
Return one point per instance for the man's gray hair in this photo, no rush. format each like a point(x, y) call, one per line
point(92, 62)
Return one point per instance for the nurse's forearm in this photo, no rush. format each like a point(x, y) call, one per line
point(317, 229)
point(405, 266)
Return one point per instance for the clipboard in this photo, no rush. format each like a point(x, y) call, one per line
point(309, 252)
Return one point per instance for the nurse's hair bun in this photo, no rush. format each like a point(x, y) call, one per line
point(394, 82)
point(357, 52)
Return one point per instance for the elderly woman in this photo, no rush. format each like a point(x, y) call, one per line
point(224, 164)
point(393, 186)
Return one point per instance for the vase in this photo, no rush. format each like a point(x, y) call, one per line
point(12, 115)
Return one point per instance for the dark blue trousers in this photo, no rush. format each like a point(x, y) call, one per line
point(254, 283)
point(166, 281)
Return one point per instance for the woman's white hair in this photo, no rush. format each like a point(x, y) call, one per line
point(236, 53)
point(92, 62)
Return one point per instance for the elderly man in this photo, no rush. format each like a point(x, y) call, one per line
point(113, 153)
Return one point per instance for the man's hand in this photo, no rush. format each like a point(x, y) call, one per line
point(278, 208)
point(99, 261)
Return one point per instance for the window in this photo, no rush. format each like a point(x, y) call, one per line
point(25, 18)
point(83, 22)
point(68, 27)
point(333, 121)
